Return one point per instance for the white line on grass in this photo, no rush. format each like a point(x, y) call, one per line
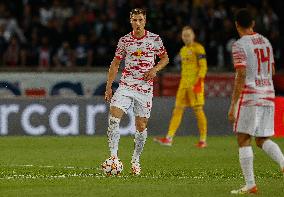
point(48, 166)
point(69, 175)
point(28, 176)
point(99, 176)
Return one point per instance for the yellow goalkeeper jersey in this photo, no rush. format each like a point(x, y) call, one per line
point(193, 64)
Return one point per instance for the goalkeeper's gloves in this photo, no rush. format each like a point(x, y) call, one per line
point(197, 88)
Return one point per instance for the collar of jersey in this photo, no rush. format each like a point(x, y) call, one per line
point(132, 34)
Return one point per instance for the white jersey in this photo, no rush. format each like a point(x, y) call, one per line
point(254, 52)
point(140, 55)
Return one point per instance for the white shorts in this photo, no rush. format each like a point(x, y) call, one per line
point(125, 99)
point(256, 121)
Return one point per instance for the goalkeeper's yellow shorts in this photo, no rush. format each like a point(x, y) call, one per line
point(185, 97)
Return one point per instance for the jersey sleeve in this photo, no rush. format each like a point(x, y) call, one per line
point(159, 46)
point(120, 50)
point(239, 56)
point(202, 62)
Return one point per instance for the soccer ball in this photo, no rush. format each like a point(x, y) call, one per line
point(112, 166)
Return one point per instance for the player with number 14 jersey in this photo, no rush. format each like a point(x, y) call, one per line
point(252, 51)
point(252, 103)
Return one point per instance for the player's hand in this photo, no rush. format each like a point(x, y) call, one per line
point(231, 114)
point(108, 94)
point(150, 74)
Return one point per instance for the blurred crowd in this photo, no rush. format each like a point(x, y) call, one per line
point(84, 33)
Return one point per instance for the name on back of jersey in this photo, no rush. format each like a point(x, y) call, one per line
point(262, 82)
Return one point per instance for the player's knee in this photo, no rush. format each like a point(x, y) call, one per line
point(243, 139)
point(178, 109)
point(141, 124)
point(116, 112)
point(141, 127)
point(197, 109)
point(259, 141)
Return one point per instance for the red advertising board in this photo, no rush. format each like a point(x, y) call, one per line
point(279, 117)
point(216, 84)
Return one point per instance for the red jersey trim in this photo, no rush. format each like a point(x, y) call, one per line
point(249, 91)
point(248, 102)
point(269, 99)
point(145, 34)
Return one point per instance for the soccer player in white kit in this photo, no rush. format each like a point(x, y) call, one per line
point(252, 105)
point(139, 48)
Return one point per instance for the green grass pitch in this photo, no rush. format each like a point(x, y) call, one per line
point(70, 166)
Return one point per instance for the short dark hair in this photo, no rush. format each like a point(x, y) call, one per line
point(136, 11)
point(244, 18)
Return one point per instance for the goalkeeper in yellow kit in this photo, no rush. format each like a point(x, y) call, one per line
point(191, 88)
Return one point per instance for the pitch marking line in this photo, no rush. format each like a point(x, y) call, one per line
point(95, 175)
point(48, 166)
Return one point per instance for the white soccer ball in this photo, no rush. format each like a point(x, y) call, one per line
point(112, 166)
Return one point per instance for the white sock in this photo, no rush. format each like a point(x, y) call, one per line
point(140, 139)
point(273, 150)
point(113, 135)
point(246, 161)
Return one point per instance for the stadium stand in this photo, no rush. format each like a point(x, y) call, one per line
point(54, 34)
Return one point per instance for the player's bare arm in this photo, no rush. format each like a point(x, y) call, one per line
point(273, 69)
point(238, 87)
point(111, 77)
point(164, 60)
